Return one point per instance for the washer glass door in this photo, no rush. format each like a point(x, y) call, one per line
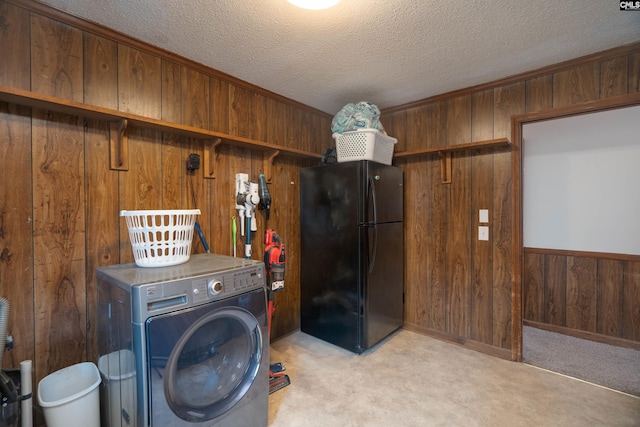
point(202, 361)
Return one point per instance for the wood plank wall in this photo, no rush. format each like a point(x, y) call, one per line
point(590, 292)
point(456, 287)
point(60, 202)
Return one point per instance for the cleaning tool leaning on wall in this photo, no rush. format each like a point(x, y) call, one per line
point(274, 263)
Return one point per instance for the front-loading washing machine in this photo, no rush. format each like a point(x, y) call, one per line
point(185, 345)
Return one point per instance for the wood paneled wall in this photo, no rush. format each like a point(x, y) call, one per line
point(60, 201)
point(457, 287)
point(590, 292)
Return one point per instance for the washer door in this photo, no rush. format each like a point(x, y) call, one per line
point(212, 364)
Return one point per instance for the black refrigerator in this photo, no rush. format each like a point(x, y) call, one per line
point(351, 278)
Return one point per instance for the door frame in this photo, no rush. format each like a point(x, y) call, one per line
point(516, 169)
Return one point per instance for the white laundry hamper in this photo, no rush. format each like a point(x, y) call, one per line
point(364, 144)
point(160, 238)
point(70, 397)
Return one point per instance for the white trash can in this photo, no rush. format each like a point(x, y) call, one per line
point(70, 397)
point(119, 388)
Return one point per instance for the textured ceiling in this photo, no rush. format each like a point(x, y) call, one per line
point(383, 51)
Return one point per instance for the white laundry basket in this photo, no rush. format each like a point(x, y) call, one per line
point(70, 397)
point(160, 238)
point(364, 144)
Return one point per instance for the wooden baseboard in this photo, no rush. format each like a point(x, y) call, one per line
point(592, 336)
point(502, 353)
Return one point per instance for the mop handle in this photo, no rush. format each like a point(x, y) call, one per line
point(247, 246)
point(234, 232)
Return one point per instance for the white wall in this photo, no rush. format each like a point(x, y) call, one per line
point(581, 182)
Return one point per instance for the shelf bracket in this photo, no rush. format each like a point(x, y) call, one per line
point(445, 167)
point(118, 145)
point(268, 165)
point(210, 159)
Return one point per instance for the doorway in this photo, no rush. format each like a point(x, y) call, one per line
point(570, 287)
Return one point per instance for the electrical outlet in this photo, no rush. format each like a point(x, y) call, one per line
point(483, 232)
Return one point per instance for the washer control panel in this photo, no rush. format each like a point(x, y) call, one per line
point(248, 279)
point(208, 288)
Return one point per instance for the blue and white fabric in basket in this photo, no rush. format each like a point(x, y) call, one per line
point(357, 116)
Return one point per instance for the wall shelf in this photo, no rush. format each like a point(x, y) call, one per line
point(119, 122)
point(445, 153)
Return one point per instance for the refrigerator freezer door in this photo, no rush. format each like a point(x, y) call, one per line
point(384, 193)
point(356, 192)
point(382, 300)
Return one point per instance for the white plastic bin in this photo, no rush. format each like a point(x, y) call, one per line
point(160, 238)
point(70, 397)
point(364, 144)
point(119, 397)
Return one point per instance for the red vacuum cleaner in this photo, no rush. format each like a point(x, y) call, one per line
point(274, 261)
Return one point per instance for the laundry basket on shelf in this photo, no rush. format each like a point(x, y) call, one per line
point(161, 238)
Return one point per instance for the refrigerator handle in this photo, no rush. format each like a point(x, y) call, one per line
point(372, 253)
point(372, 199)
point(374, 225)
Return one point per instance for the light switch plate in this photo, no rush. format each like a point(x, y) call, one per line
point(483, 232)
point(484, 216)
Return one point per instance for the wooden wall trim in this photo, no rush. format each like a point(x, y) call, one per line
point(591, 336)
point(518, 256)
point(599, 255)
point(604, 104)
point(127, 40)
point(516, 78)
point(455, 339)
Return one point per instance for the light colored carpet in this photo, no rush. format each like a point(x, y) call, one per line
point(413, 380)
point(610, 366)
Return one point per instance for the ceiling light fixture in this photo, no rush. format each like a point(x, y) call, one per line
point(314, 4)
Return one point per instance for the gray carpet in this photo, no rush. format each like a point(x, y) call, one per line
point(614, 367)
